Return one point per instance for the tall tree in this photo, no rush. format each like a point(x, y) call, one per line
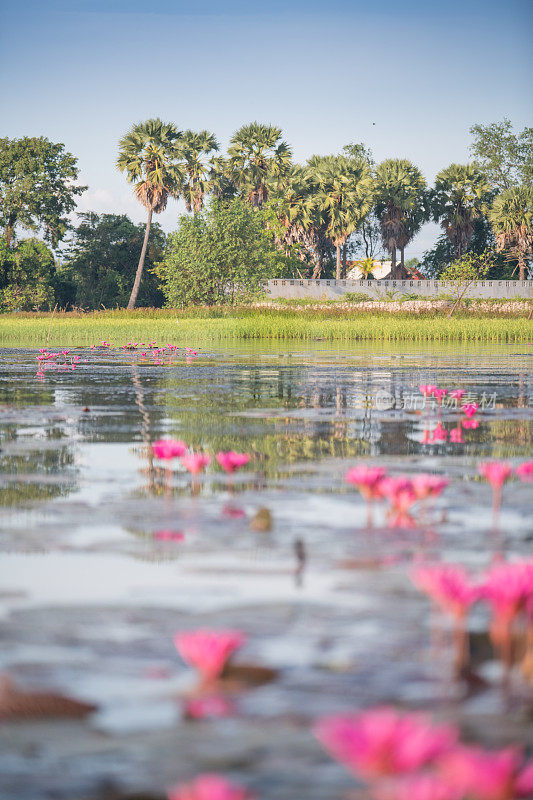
point(196, 150)
point(37, 187)
point(27, 275)
point(503, 156)
point(369, 233)
point(459, 198)
point(343, 197)
point(511, 217)
point(148, 156)
point(101, 258)
point(257, 153)
point(400, 205)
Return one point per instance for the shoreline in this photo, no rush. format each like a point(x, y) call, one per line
point(191, 326)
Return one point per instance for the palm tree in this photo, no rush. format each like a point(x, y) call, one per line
point(511, 218)
point(192, 147)
point(343, 197)
point(257, 153)
point(400, 202)
point(221, 179)
point(366, 265)
point(458, 200)
point(147, 154)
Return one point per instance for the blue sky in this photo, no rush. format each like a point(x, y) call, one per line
point(407, 78)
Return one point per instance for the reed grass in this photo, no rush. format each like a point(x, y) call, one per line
point(207, 324)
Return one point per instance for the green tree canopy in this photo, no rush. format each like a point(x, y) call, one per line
point(196, 150)
point(511, 217)
point(458, 199)
point(101, 259)
point(503, 156)
point(37, 187)
point(342, 196)
point(27, 276)
point(257, 153)
point(222, 253)
point(400, 204)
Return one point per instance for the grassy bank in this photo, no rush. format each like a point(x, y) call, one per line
point(212, 325)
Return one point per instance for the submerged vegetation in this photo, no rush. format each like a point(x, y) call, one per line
point(197, 324)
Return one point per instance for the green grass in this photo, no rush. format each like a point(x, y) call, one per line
point(217, 324)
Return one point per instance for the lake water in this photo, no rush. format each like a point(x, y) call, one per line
point(90, 596)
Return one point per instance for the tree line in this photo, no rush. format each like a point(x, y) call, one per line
point(309, 217)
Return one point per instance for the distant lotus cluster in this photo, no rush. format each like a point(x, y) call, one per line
point(195, 463)
point(158, 356)
point(60, 361)
point(440, 433)
point(403, 493)
point(407, 495)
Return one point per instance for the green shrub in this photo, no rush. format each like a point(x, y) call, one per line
point(27, 274)
point(220, 255)
point(356, 297)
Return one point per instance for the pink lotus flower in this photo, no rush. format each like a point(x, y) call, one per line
point(470, 424)
point(233, 512)
point(169, 536)
point(488, 775)
point(427, 389)
point(440, 434)
point(495, 472)
point(456, 436)
point(208, 650)
point(399, 492)
point(213, 706)
point(470, 409)
point(167, 449)
point(457, 394)
point(428, 485)
point(208, 787)
point(525, 471)
point(449, 586)
point(419, 787)
point(439, 394)
point(401, 519)
point(382, 742)
point(195, 462)
point(508, 587)
point(232, 461)
point(367, 480)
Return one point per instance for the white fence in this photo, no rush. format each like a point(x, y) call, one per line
point(385, 290)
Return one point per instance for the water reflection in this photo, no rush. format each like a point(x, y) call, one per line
point(97, 582)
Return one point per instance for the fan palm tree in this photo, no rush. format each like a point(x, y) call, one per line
point(343, 197)
point(459, 198)
point(195, 148)
point(400, 202)
point(147, 156)
point(511, 218)
point(257, 153)
point(221, 179)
